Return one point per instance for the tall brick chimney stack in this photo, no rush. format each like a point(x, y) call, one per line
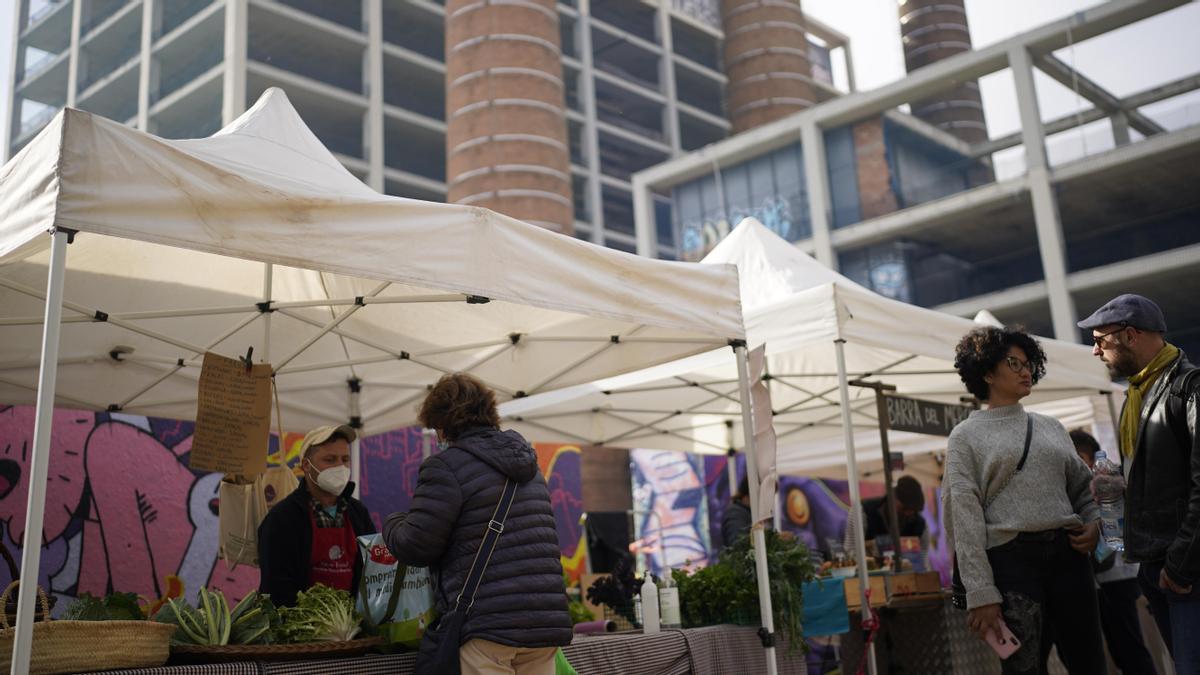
point(932, 30)
point(766, 61)
point(506, 127)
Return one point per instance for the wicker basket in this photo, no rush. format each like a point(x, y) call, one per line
point(75, 646)
point(185, 654)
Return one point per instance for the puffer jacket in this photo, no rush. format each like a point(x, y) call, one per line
point(521, 601)
point(1162, 500)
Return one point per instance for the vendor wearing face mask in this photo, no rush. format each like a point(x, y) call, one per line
point(309, 537)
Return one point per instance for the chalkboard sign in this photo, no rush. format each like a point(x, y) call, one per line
point(924, 417)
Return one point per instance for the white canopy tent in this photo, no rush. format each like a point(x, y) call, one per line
point(258, 237)
point(822, 331)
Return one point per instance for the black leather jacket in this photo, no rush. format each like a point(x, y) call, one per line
point(1162, 501)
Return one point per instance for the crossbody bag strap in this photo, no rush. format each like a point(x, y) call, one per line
point(1020, 464)
point(488, 546)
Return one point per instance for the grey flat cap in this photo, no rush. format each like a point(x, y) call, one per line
point(1132, 310)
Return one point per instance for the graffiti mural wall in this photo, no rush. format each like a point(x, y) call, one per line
point(123, 511)
point(671, 514)
point(562, 466)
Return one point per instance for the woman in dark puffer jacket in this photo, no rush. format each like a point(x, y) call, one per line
point(520, 616)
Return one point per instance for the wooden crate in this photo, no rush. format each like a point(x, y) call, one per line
point(878, 585)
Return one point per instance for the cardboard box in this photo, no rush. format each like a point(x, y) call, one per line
point(878, 586)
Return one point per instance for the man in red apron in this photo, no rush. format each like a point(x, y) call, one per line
point(309, 537)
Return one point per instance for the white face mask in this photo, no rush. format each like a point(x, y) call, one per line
point(334, 479)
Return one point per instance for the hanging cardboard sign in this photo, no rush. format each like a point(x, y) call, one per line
point(233, 417)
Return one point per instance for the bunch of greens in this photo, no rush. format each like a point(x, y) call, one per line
point(112, 607)
point(617, 589)
point(727, 590)
point(321, 614)
point(211, 623)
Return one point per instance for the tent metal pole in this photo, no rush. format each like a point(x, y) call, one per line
point(35, 508)
point(357, 424)
point(427, 439)
point(855, 497)
point(268, 283)
point(756, 531)
point(731, 459)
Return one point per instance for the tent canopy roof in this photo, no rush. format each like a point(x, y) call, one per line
point(388, 291)
point(798, 308)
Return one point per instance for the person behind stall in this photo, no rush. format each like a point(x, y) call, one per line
point(736, 520)
point(519, 617)
point(1160, 446)
point(1022, 533)
point(910, 502)
point(309, 537)
point(1118, 592)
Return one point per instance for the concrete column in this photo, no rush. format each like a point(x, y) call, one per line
point(233, 100)
point(1120, 129)
point(816, 178)
point(766, 60)
point(591, 134)
point(506, 126)
point(667, 76)
point(149, 10)
point(643, 219)
point(373, 15)
point(73, 59)
point(1051, 243)
point(17, 63)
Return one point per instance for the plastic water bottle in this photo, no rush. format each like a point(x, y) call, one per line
point(668, 602)
point(650, 622)
point(1109, 484)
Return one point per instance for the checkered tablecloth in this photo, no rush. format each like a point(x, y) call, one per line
point(715, 650)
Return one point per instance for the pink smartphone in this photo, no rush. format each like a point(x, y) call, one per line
point(1007, 644)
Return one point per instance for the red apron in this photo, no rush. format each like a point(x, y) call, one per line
point(334, 552)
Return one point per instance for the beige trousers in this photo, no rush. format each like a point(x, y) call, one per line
point(481, 657)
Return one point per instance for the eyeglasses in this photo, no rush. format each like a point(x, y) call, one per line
point(1099, 339)
point(1017, 365)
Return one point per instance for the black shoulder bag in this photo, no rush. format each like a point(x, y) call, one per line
point(438, 653)
point(958, 592)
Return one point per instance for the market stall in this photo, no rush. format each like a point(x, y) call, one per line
point(716, 650)
point(822, 332)
point(124, 258)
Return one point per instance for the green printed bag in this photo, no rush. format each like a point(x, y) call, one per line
point(396, 601)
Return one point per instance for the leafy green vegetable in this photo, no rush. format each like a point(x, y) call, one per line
point(113, 607)
point(727, 590)
point(321, 614)
point(254, 620)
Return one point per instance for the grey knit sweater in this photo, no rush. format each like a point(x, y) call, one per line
point(1051, 491)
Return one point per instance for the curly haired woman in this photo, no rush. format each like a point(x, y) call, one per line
point(1023, 523)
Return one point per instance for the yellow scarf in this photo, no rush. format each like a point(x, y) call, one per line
point(1139, 384)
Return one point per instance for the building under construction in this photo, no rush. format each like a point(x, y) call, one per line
point(654, 126)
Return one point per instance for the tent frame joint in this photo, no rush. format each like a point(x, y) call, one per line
point(477, 300)
point(100, 317)
point(738, 342)
point(265, 307)
point(65, 230)
point(766, 637)
point(355, 385)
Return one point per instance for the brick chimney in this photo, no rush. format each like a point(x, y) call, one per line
point(766, 61)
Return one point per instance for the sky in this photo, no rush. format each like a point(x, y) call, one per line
point(1134, 58)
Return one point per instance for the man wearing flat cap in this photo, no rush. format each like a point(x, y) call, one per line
point(1160, 452)
point(311, 536)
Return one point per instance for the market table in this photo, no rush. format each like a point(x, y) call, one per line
point(697, 651)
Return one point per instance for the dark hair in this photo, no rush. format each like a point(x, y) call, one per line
point(459, 402)
point(1085, 441)
point(743, 487)
point(909, 493)
point(981, 350)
